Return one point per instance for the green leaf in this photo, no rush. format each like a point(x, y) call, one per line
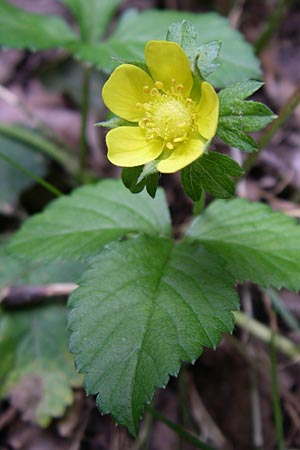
point(211, 173)
point(237, 60)
point(184, 34)
point(17, 271)
point(36, 370)
point(21, 29)
point(206, 57)
point(145, 305)
point(13, 182)
point(78, 226)
point(237, 117)
point(93, 16)
point(256, 243)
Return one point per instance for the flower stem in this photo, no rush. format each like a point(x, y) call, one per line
point(272, 25)
point(27, 172)
point(267, 136)
point(39, 143)
point(179, 430)
point(85, 92)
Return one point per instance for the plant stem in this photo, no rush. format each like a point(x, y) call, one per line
point(37, 142)
point(272, 25)
point(85, 92)
point(275, 394)
point(267, 136)
point(264, 333)
point(39, 180)
point(179, 430)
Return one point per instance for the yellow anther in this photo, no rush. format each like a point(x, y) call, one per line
point(159, 85)
point(169, 145)
point(139, 106)
point(179, 88)
point(179, 139)
point(154, 92)
point(146, 89)
point(173, 81)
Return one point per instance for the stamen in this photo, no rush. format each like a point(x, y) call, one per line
point(179, 88)
point(159, 85)
point(154, 92)
point(139, 106)
point(169, 145)
point(146, 89)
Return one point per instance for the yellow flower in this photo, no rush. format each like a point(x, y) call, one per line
point(173, 121)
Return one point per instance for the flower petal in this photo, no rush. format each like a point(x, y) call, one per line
point(167, 61)
point(183, 155)
point(208, 111)
point(127, 147)
point(124, 89)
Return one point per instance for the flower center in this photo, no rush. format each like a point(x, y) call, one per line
point(168, 115)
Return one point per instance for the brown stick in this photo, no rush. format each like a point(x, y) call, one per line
point(28, 294)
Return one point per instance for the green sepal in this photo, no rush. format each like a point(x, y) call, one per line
point(139, 177)
point(212, 173)
point(115, 122)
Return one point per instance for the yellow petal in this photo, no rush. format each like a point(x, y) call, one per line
point(167, 61)
point(183, 155)
point(127, 147)
point(208, 111)
point(124, 90)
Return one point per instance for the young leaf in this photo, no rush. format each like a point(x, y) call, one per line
point(237, 60)
point(22, 29)
point(78, 226)
point(237, 117)
point(145, 305)
point(93, 16)
point(35, 362)
point(211, 173)
point(12, 182)
point(256, 243)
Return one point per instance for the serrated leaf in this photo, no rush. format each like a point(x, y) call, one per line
point(237, 60)
point(35, 363)
point(256, 243)
point(22, 29)
point(184, 34)
point(12, 181)
point(237, 117)
point(145, 305)
point(237, 139)
point(78, 226)
point(93, 16)
point(211, 173)
point(206, 57)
